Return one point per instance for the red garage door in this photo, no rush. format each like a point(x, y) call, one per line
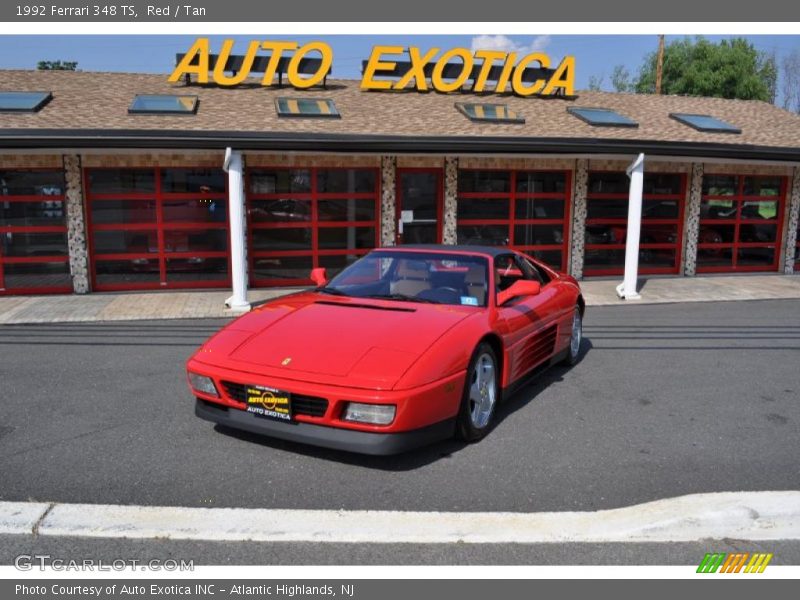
point(607, 223)
point(33, 233)
point(158, 228)
point(528, 210)
point(740, 223)
point(299, 219)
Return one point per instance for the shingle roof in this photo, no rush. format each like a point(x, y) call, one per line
point(99, 102)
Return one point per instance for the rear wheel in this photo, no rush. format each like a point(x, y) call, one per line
point(481, 394)
point(575, 338)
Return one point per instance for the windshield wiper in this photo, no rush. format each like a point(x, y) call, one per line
point(402, 297)
point(332, 291)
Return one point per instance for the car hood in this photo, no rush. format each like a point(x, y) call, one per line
point(369, 343)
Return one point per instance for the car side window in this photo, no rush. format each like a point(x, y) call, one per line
point(508, 269)
point(540, 274)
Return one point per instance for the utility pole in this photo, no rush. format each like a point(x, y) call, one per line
point(659, 63)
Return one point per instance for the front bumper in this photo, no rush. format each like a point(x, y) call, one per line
point(350, 440)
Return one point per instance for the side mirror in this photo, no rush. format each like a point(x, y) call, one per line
point(319, 276)
point(521, 287)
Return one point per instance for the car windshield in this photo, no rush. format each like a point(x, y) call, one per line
point(436, 278)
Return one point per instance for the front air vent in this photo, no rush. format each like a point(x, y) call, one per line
point(311, 406)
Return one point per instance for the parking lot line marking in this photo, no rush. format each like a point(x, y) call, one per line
point(21, 517)
point(738, 515)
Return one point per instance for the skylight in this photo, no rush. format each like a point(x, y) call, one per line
point(601, 117)
point(23, 101)
point(158, 104)
point(306, 107)
point(705, 123)
point(496, 113)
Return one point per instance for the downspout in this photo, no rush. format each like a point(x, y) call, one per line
point(627, 289)
point(233, 166)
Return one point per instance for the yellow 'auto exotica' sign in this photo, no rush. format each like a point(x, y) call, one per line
point(379, 68)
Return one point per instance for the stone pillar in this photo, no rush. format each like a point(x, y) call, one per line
point(76, 224)
point(691, 224)
point(579, 192)
point(793, 211)
point(388, 206)
point(450, 211)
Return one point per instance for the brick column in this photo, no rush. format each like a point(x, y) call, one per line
point(76, 225)
point(388, 206)
point(691, 224)
point(450, 211)
point(793, 211)
point(579, 191)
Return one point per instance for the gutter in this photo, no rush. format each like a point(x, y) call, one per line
point(325, 142)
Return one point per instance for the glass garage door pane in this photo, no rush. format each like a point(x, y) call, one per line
point(346, 210)
point(123, 211)
point(756, 257)
point(336, 263)
point(31, 183)
point(715, 257)
point(483, 235)
point(125, 242)
point(482, 208)
point(280, 181)
point(282, 267)
point(36, 275)
point(132, 272)
point(484, 181)
point(193, 181)
point(331, 238)
point(197, 268)
point(539, 208)
point(33, 244)
point(285, 210)
point(196, 240)
point(196, 210)
point(122, 181)
point(290, 238)
point(31, 214)
point(346, 181)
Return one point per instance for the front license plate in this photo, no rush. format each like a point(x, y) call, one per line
point(269, 403)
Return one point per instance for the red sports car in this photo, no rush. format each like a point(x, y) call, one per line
point(404, 347)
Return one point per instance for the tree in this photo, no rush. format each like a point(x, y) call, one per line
point(621, 79)
point(596, 82)
point(791, 81)
point(56, 65)
point(730, 69)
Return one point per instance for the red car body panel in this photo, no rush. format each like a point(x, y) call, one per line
point(411, 355)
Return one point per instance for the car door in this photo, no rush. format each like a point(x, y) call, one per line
point(530, 322)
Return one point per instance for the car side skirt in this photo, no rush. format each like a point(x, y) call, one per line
point(349, 440)
point(534, 373)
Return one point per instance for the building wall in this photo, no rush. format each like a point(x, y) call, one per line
point(388, 165)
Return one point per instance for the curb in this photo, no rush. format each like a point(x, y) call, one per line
point(737, 515)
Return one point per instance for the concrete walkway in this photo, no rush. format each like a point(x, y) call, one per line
point(211, 304)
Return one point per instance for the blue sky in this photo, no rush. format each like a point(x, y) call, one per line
point(595, 54)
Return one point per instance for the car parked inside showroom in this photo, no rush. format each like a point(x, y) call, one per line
point(406, 346)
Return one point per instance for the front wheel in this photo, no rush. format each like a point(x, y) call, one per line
point(575, 338)
point(481, 395)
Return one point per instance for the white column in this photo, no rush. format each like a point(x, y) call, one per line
point(627, 289)
point(233, 165)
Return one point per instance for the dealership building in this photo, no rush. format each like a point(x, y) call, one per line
point(115, 181)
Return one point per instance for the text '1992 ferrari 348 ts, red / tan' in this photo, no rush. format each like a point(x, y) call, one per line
point(406, 346)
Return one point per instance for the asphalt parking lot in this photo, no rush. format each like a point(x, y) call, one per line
point(667, 400)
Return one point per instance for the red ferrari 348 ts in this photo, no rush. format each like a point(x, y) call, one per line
point(406, 346)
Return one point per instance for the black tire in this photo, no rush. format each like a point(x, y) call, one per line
point(474, 417)
point(573, 350)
